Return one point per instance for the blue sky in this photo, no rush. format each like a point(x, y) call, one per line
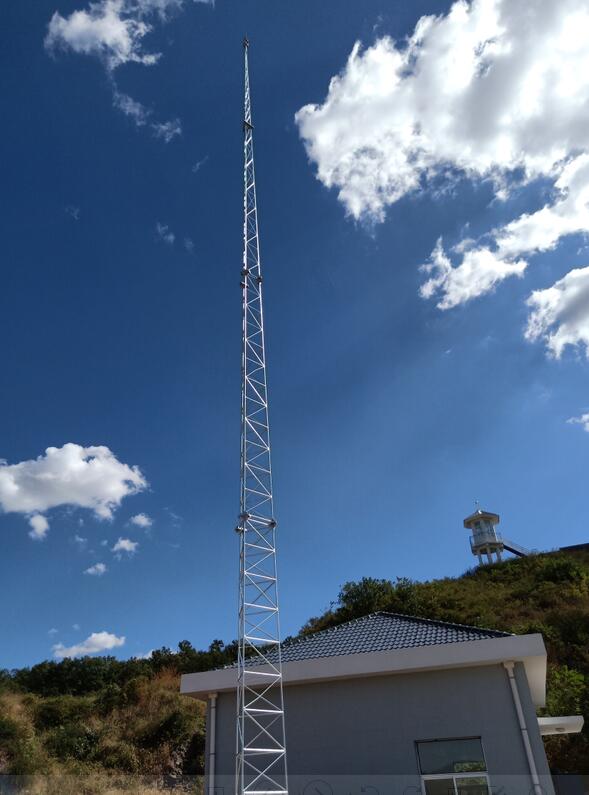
point(391, 410)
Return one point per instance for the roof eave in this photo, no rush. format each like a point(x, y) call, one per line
point(528, 649)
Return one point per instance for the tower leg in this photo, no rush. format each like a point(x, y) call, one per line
point(489, 558)
point(480, 557)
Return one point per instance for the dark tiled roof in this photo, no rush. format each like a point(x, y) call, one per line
point(380, 632)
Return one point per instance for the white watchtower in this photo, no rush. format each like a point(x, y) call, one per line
point(485, 540)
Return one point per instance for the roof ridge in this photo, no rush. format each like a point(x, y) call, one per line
point(440, 622)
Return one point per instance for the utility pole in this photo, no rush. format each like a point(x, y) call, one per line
point(260, 763)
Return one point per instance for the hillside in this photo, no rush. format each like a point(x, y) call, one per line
point(102, 718)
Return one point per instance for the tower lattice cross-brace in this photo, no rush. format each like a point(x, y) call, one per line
point(260, 738)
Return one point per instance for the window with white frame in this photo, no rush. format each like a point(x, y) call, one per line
point(453, 767)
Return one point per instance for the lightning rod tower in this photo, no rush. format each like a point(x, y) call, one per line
point(260, 766)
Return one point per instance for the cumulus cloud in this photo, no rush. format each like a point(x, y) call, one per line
point(488, 88)
point(39, 526)
point(527, 235)
point(105, 29)
point(83, 477)
point(583, 420)
point(493, 90)
point(560, 314)
point(141, 520)
point(97, 570)
point(114, 31)
point(94, 644)
point(125, 545)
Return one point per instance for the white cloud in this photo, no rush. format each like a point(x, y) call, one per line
point(76, 627)
point(189, 245)
point(39, 526)
point(130, 107)
point(114, 31)
point(97, 570)
point(125, 545)
point(167, 130)
point(493, 90)
point(80, 541)
point(560, 314)
point(527, 235)
point(83, 477)
point(52, 631)
point(582, 420)
point(480, 271)
point(490, 87)
point(108, 29)
point(94, 644)
point(141, 520)
point(164, 233)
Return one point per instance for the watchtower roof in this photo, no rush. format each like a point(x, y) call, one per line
point(480, 515)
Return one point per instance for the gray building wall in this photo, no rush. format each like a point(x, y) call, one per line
point(361, 733)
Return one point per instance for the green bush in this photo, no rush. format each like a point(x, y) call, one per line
point(176, 729)
point(118, 756)
point(71, 742)
point(61, 710)
point(8, 732)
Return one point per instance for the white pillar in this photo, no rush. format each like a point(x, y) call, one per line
point(211, 730)
point(489, 558)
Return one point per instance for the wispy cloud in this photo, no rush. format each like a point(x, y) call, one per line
point(72, 475)
point(164, 233)
point(189, 245)
point(142, 116)
point(97, 570)
point(167, 130)
point(199, 164)
point(73, 212)
point(582, 420)
point(94, 644)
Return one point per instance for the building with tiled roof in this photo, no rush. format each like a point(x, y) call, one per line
point(398, 703)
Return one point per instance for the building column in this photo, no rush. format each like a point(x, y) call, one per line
point(211, 730)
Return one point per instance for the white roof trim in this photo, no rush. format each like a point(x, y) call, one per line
point(528, 649)
point(565, 724)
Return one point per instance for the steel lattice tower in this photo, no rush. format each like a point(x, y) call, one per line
point(260, 745)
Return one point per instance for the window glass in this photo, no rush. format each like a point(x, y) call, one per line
point(451, 756)
point(439, 786)
point(473, 785)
